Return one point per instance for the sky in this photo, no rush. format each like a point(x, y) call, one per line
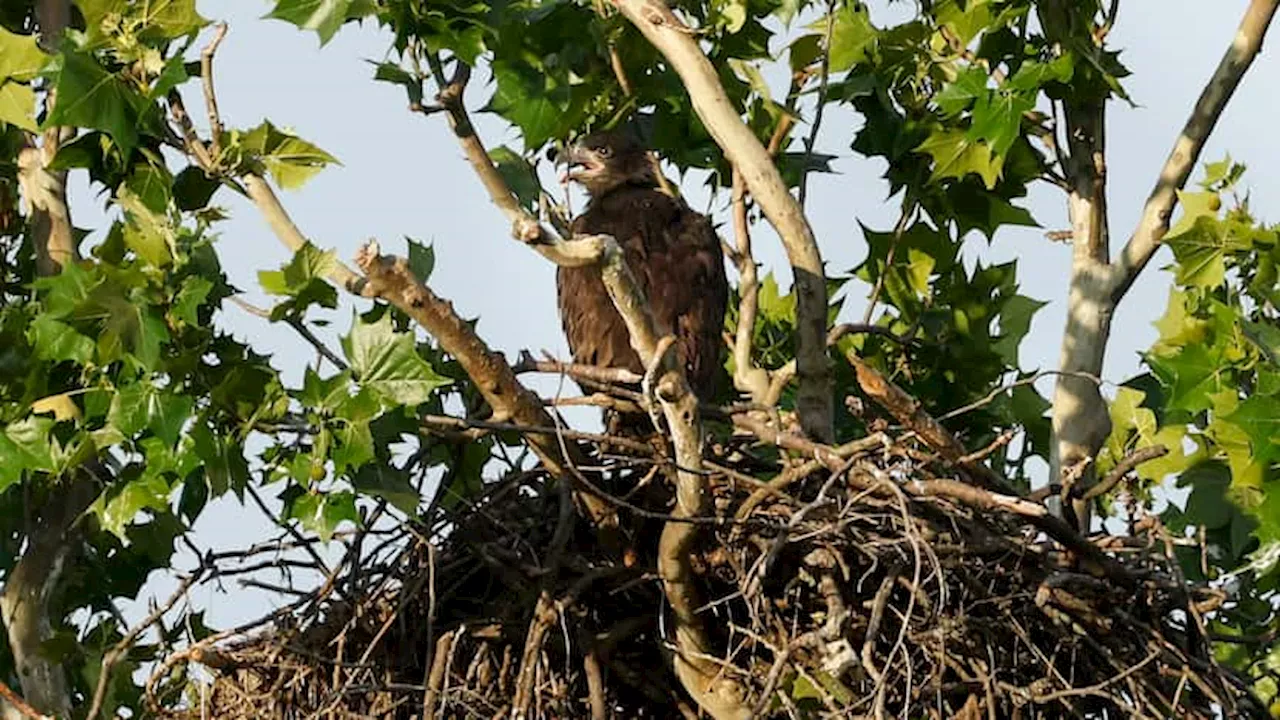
point(403, 174)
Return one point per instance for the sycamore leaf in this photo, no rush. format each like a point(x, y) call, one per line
point(291, 160)
point(186, 304)
point(1015, 323)
point(20, 57)
point(307, 264)
point(1201, 251)
point(422, 259)
point(116, 511)
point(518, 174)
point(956, 155)
point(997, 118)
point(852, 35)
point(1191, 376)
point(959, 94)
point(170, 18)
point(526, 104)
point(56, 341)
point(322, 16)
point(384, 481)
point(387, 362)
point(322, 513)
point(1178, 327)
point(147, 233)
point(18, 105)
point(91, 97)
point(965, 18)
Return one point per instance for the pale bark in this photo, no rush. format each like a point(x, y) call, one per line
point(1081, 422)
point(31, 584)
point(679, 46)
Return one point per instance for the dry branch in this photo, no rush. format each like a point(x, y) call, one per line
point(677, 44)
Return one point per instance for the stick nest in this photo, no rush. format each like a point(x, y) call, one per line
point(833, 593)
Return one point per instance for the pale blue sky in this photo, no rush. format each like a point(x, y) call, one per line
point(403, 174)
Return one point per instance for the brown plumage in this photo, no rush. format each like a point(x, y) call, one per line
point(673, 252)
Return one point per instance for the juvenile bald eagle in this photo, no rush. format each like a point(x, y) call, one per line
point(673, 252)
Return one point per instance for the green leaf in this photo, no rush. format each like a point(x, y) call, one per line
point(147, 233)
point(186, 304)
point(975, 208)
point(390, 484)
point(192, 188)
point(291, 160)
point(527, 104)
point(1201, 252)
point(323, 513)
point(56, 341)
point(956, 155)
point(422, 259)
point(167, 19)
point(354, 447)
point(958, 95)
point(852, 36)
point(20, 57)
point(997, 118)
point(308, 263)
point(388, 363)
point(965, 18)
point(322, 16)
point(1015, 323)
point(805, 51)
point(28, 444)
point(91, 97)
point(117, 510)
point(1192, 376)
point(1178, 326)
point(151, 183)
point(518, 174)
point(18, 105)
point(391, 73)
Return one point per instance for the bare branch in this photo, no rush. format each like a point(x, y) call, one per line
point(746, 376)
point(1158, 210)
point(673, 39)
point(1122, 468)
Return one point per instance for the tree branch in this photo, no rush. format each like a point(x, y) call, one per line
point(1158, 210)
point(722, 697)
point(672, 38)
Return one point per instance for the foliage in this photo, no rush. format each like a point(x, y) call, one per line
point(119, 358)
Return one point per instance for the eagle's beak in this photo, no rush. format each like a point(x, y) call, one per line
point(575, 156)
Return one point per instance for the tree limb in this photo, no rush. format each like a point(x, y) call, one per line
point(1158, 210)
point(677, 44)
point(31, 583)
point(722, 697)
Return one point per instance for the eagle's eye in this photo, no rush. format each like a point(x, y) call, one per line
point(604, 151)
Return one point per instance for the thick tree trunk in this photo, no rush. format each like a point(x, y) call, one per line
point(30, 586)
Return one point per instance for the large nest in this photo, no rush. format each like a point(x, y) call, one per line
point(876, 589)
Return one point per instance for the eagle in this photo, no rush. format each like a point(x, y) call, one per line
point(673, 252)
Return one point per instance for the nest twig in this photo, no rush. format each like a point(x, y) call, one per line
point(838, 593)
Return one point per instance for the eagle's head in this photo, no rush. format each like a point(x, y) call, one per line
point(605, 160)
